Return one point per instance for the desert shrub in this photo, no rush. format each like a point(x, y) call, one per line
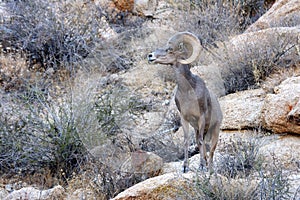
point(117, 107)
point(68, 150)
point(35, 138)
point(68, 35)
point(47, 139)
point(51, 34)
point(242, 174)
point(269, 185)
point(240, 158)
point(17, 149)
point(274, 184)
point(57, 39)
point(217, 20)
point(249, 68)
point(40, 132)
point(218, 187)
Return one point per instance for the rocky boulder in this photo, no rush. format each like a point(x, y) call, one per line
point(145, 7)
point(31, 193)
point(242, 109)
point(283, 13)
point(168, 145)
point(113, 152)
point(191, 185)
point(143, 164)
point(284, 149)
point(167, 186)
point(294, 115)
point(254, 45)
point(281, 110)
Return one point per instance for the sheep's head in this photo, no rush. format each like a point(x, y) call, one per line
point(183, 47)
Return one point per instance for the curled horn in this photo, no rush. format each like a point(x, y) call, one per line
point(187, 38)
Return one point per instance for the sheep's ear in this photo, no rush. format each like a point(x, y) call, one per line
point(181, 47)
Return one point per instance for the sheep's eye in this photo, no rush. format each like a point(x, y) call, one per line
point(169, 50)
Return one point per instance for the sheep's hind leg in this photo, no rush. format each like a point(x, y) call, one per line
point(215, 131)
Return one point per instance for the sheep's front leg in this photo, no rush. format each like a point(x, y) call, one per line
point(200, 142)
point(185, 126)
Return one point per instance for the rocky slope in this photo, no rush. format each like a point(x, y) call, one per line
point(274, 107)
point(259, 143)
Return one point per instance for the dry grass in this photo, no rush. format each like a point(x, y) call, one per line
point(14, 72)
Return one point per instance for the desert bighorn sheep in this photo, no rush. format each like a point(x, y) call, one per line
point(197, 106)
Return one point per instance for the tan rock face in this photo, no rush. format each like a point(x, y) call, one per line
point(282, 149)
point(164, 187)
point(31, 193)
point(263, 42)
point(145, 7)
point(185, 186)
point(294, 115)
point(283, 13)
point(144, 164)
point(242, 109)
point(281, 110)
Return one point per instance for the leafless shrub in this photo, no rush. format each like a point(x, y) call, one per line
point(48, 137)
point(40, 136)
point(273, 184)
point(240, 158)
point(217, 20)
point(249, 68)
point(217, 187)
point(52, 36)
point(243, 175)
point(116, 108)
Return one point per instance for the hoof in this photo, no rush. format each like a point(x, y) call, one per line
point(185, 169)
point(211, 171)
point(203, 168)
